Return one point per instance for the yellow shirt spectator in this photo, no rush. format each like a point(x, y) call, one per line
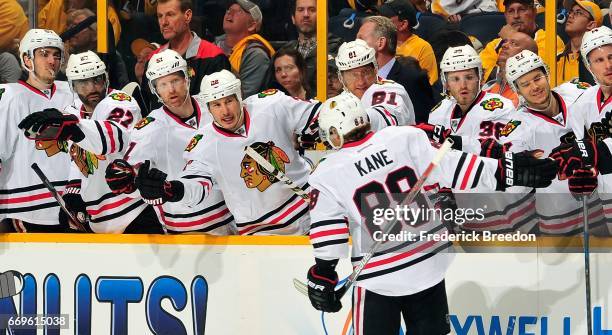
point(422, 51)
point(491, 51)
point(13, 25)
point(567, 67)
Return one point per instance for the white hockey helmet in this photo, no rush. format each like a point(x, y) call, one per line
point(343, 112)
point(355, 54)
point(593, 39)
point(521, 64)
point(460, 58)
point(39, 38)
point(220, 85)
point(164, 63)
point(83, 66)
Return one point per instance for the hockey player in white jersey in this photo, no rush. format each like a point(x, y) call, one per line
point(23, 199)
point(542, 124)
point(357, 70)
point(216, 158)
point(590, 119)
point(370, 172)
point(160, 140)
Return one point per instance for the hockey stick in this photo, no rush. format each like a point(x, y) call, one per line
point(8, 287)
point(414, 191)
point(74, 222)
point(587, 263)
point(280, 175)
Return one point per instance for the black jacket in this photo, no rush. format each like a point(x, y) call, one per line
point(417, 85)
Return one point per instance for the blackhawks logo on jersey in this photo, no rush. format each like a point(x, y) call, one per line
point(194, 141)
point(580, 84)
point(86, 161)
point(492, 104)
point(143, 122)
point(267, 93)
point(254, 175)
point(52, 147)
point(509, 127)
point(120, 96)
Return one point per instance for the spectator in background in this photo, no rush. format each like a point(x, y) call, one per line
point(87, 40)
point(403, 15)
point(334, 85)
point(513, 43)
point(10, 70)
point(142, 50)
point(13, 25)
point(380, 33)
point(55, 15)
point(249, 53)
point(290, 73)
point(582, 17)
point(347, 22)
point(520, 14)
point(304, 17)
point(203, 58)
point(453, 10)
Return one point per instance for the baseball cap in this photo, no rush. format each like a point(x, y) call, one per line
point(589, 6)
point(250, 7)
point(530, 3)
point(403, 9)
point(140, 44)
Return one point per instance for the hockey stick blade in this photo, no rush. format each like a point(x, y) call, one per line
point(74, 222)
point(280, 175)
point(11, 283)
point(300, 286)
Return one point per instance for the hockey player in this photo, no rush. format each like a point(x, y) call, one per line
point(160, 139)
point(408, 281)
point(357, 70)
point(542, 124)
point(216, 158)
point(23, 199)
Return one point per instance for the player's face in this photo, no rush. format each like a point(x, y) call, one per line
point(305, 16)
point(600, 60)
point(287, 73)
point(252, 176)
point(172, 21)
point(578, 20)
point(359, 79)
point(90, 90)
point(534, 87)
point(47, 62)
point(463, 85)
point(521, 17)
point(172, 89)
point(226, 112)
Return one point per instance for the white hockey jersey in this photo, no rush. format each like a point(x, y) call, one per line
point(163, 138)
point(382, 165)
point(391, 105)
point(558, 211)
point(22, 195)
point(110, 213)
point(260, 204)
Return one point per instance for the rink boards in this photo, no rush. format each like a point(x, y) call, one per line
point(120, 284)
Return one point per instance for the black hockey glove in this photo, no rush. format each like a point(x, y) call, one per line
point(51, 124)
point(308, 141)
point(489, 147)
point(154, 187)
point(439, 134)
point(602, 129)
point(583, 181)
point(523, 169)
point(76, 206)
point(120, 177)
point(322, 280)
point(580, 153)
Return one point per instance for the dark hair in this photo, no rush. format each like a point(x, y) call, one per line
point(357, 133)
point(445, 39)
point(299, 61)
point(185, 4)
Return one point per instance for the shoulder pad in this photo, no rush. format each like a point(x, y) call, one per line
point(492, 104)
point(193, 142)
point(144, 122)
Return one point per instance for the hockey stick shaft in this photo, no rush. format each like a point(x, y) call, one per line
point(76, 223)
point(414, 191)
point(280, 175)
point(587, 264)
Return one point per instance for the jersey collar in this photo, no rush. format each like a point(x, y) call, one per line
point(600, 104)
point(179, 121)
point(229, 133)
point(561, 104)
point(37, 91)
point(358, 143)
point(456, 112)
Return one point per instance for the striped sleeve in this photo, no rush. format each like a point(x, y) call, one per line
point(103, 137)
point(329, 231)
point(197, 182)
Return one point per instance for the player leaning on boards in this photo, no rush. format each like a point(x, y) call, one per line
point(542, 124)
point(160, 140)
point(24, 201)
point(396, 283)
point(216, 158)
point(592, 111)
